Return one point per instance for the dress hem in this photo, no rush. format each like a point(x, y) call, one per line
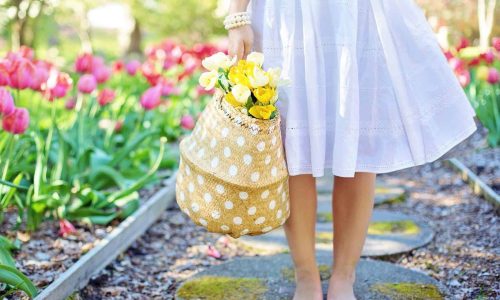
point(307, 169)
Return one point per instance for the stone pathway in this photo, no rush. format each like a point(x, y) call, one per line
point(271, 277)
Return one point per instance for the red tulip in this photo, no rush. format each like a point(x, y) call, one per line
point(475, 62)
point(58, 85)
point(463, 43)
point(6, 102)
point(149, 72)
point(105, 96)
point(448, 54)
point(22, 73)
point(118, 66)
point(493, 76)
point(132, 67)
point(102, 74)
point(66, 228)
point(187, 122)
point(496, 43)
point(118, 126)
point(16, 122)
point(151, 97)
point(87, 84)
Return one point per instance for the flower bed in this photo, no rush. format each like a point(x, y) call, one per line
point(78, 147)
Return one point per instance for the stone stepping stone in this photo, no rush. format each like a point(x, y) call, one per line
point(384, 193)
point(389, 233)
point(272, 277)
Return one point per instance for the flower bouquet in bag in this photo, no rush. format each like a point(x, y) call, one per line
point(232, 174)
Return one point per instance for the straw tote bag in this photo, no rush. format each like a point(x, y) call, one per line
point(232, 176)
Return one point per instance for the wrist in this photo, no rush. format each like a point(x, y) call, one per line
point(237, 6)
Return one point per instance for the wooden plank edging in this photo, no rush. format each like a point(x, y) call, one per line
point(479, 187)
point(106, 250)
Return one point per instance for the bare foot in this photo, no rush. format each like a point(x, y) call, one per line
point(341, 288)
point(308, 286)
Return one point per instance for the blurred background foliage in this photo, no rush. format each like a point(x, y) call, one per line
point(63, 28)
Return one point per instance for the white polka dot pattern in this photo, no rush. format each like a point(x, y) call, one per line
point(232, 179)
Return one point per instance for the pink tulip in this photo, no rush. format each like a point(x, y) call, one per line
point(21, 74)
point(17, 122)
point(464, 78)
point(488, 56)
point(41, 75)
point(187, 122)
point(448, 54)
point(83, 63)
point(70, 104)
point(493, 76)
point(66, 228)
point(4, 74)
point(151, 98)
point(26, 52)
point(213, 252)
point(168, 88)
point(58, 85)
point(87, 84)
point(105, 96)
point(149, 72)
point(456, 64)
point(118, 126)
point(496, 43)
point(132, 67)
point(6, 102)
point(102, 74)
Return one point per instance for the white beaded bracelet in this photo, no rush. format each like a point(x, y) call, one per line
point(237, 20)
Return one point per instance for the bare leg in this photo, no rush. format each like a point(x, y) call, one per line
point(300, 232)
point(352, 209)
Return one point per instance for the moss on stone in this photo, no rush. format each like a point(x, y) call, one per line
point(408, 290)
point(288, 273)
point(220, 287)
point(323, 237)
point(387, 227)
point(390, 195)
point(324, 217)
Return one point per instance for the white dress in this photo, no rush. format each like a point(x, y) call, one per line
point(371, 90)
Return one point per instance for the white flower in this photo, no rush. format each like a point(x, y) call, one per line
point(258, 78)
point(208, 80)
point(218, 60)
point(274, 76)
point(241, 93)
point(256, 57)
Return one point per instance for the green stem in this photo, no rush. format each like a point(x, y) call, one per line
point(10, 147)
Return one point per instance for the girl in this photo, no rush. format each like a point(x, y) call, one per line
point(371, 93)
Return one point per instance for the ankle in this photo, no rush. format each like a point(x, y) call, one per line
point(307, 273)
point(344, 275)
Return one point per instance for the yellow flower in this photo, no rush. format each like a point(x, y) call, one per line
point(264, 94)
point(230, 98)
point(208, 80)
point(237, 76)
point(262, 112)
point(482, 72)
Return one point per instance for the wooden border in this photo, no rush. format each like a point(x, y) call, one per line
point(79, 274)
point(479, 187)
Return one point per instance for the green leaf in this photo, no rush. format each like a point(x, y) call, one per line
point(18, 280)
point(129, 147)
point(6, 258)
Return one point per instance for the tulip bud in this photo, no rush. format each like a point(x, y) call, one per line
point(17, 122)
point(87, 84)
point(151, 97)
point(6, 102)
point(22, 74)
point(187, 122)
point(493, 76)
point(102, 74)
point(132, 67)
point(496, 43)
point(105, 96)
point(70, 104)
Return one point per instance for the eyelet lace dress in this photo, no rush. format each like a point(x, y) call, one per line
point(371, 90)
